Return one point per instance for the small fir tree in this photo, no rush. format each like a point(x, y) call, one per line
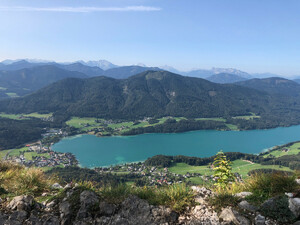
point(222, 170)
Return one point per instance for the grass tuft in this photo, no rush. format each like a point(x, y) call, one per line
point(18, 180)
point(223, 200)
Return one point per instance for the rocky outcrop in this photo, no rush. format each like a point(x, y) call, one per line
point(82, 207)
point(23, 202)
point(294, 206)
point(88, 210)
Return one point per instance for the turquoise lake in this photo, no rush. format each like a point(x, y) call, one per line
point(92, 151)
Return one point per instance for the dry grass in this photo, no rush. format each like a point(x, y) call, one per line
point(16, 179)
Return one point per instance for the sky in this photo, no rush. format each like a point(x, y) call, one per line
point(255, 36)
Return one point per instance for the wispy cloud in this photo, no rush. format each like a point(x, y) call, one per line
point(80, 9)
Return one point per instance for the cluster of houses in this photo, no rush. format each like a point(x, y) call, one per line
point(43, 157)
point(152, 175)
point(53, 132)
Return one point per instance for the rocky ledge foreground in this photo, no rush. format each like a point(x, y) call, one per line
point(83, 207)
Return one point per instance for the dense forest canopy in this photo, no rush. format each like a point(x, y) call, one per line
point(153, 94)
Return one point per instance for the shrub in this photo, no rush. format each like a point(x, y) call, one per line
point(278, 210)
point(179, 197)
point(222, 170)
point(222, 200)
point(264, 186)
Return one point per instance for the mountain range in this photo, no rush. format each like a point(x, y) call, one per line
point(106, 65)
point(154, 94)
point(24, 81)
point(16, 82)
point(273, 85)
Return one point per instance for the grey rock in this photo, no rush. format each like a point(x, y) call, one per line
point(270, 203)
point(23, 202)
point(68, 186)
point(65, 212)
point(227, 215)
point(232, 216)
point(202, 191)
point(297, 223)
point(247, 206)
point(289, 195)
point(88, 199)
point(163, 215)
point(260, 220)
point(298, 181)
point(104, 220)
point(243, 194)
point(135, 210)
point(33, 220)
point(200, 214)
point(18, 217)
point(50, 220)
point(294, 206)
point(107, 209)
point(57, 186)
point(200, 200)
point(3, 218)
point(49, 206)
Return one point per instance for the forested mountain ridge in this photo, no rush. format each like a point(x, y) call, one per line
point(273, 85)
point(27, 80)
point(152, 93)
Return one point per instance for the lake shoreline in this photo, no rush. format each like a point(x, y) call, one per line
point(114, 150)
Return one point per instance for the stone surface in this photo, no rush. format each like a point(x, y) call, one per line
point(65, 212)
point(88, 199)
point(290, 195)
point(233, 217)
point(247, 206)
point(68, 186)
point(202, 191)
point(243, 194)
point(294, 206)
point(260, 220)
point(107, 209)
point(23, 202)
point(57, 186)
point(18, 217)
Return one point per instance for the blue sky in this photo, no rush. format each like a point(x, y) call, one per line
point(251, 35)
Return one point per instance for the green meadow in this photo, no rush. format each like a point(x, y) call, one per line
point(238, 166)
point(292, 150)
point(24, 116)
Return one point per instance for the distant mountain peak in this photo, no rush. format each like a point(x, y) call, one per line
point(216, 70)
point(103, 64)
point(140, 64)
point(224, 78)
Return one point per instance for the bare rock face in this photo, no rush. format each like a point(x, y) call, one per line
point(65, 212)
point(107, 209)
point(294, 206)
point(247, 206)
point(23, 202)
point(260, 220)
point(233, 217)
point(88, 200)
